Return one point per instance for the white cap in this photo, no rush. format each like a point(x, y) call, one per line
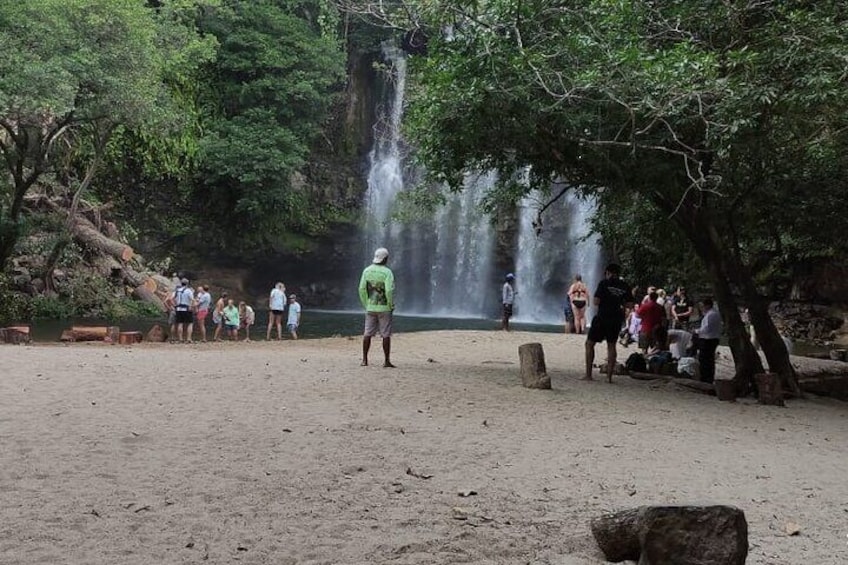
point(380, 255)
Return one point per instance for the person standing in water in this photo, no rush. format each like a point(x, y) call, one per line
point(578, 294)
point(376, 292)
point(507, 300)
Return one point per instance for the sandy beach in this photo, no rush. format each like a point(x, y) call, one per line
point(291, 453)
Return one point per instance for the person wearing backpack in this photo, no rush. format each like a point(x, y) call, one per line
point(184, 318)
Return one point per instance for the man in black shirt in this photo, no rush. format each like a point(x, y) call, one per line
point(611, 298)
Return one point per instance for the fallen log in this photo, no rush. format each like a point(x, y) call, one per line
point(143, 294)
point(87, 234)
point(697, 386)
point(91, 333)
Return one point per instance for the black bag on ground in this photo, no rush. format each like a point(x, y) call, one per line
point(636, 362)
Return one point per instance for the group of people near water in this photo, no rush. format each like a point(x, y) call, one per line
point(659, 324)
point(655, 321)
point(188, 308)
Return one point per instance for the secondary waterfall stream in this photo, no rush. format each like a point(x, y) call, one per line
point(444, 265)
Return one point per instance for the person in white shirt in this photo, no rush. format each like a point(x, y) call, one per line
point(293, 321)
point(183, 299)
point(276, 305)
point(507, 299)
point(708, 337)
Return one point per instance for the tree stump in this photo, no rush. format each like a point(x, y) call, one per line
point(156, 334)
point(533, 371)
point(770, 389)
point(725, 389)
point(129, 338)
point(674, 535)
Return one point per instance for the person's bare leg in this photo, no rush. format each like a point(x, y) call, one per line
point(270, 325)
point(610, 360)
point(280, 328)
point(590, 359)
point(247, 333)
point(366, 345)
point(189, 333)
point(202, 326)
point(387, 352)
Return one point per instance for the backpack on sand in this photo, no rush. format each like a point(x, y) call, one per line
point(636, 362)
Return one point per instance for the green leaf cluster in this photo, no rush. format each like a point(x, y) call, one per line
point(268, 90)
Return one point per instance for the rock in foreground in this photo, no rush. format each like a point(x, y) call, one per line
point(674, 535)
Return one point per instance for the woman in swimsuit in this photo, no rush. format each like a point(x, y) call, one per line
point(578, 294)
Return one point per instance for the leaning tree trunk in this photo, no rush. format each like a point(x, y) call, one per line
point(771, 343)
point(708, 247)
point(746, 360)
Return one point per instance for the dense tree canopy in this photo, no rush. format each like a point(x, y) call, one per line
point(267, 95)
point(72, 72)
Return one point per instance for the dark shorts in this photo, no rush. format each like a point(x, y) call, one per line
point(507, 310)
point(277, 312)
point(604, 330)
point(579, 304)
point(184, 317)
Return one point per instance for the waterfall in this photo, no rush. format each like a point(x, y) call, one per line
point(548, 258)
point(444, 264)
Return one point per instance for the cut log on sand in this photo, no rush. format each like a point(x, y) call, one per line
point(15, 335)
point(156, 334)
point(91, 333)
point(533, 371)
point(128, 338)
point(87, 233)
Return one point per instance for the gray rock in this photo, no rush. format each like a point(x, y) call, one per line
point(674, 535)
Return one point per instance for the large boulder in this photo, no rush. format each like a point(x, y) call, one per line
point(674, 535)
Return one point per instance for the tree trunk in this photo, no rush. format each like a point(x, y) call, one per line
point(746, 360)
point(143, 294)
point(9, 233)
point(700, 231)
point(87, 234)
point(771, 343)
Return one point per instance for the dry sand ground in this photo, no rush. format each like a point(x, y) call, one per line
point(284, 453)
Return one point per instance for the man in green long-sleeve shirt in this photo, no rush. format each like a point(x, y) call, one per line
point(376, 292)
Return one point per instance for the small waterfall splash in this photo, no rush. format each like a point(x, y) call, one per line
point(548, 258)
point(442, 264)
